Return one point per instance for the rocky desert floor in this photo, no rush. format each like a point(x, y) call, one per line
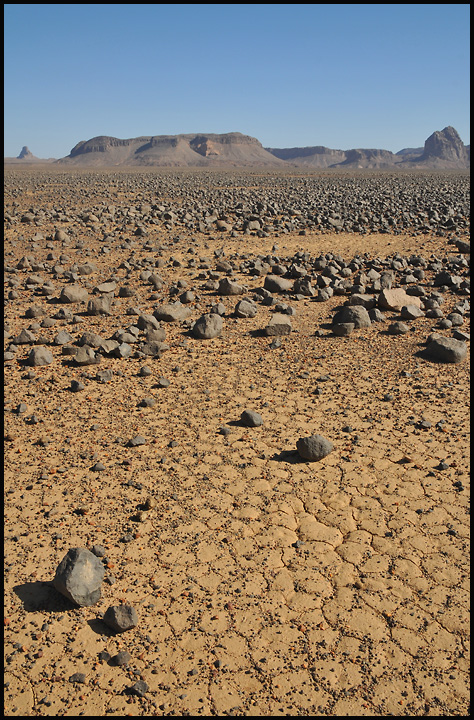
point(264, 584)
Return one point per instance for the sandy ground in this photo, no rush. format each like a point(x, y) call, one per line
point(265, 585)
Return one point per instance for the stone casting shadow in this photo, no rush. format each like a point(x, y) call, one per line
point(42, 596)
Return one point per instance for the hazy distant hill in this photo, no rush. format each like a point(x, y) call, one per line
point(26, 157)
point(443, 149)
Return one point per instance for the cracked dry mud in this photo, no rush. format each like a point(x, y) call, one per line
point(265, 585)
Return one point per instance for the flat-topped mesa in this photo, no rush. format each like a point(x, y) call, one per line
point(185, 150)
point(102, 143)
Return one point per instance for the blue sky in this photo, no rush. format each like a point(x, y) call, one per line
point(344, 76)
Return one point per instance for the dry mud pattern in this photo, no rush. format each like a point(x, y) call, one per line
point(264, 585)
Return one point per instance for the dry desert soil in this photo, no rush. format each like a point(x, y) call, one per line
point(265, 584)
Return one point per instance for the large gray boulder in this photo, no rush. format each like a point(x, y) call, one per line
point(39, 356)
point(245, 309)
point(208, 326)
point(172, 312)
point(99, 306)
point(314, 447)
point(230, 287)
point(355, 314)
point(79, 576)
point(250, 418)
point(274, 283)
point(447, 350)
point(279, 324)
point(73, 294)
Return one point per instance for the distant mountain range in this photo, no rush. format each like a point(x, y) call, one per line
point(442, 150)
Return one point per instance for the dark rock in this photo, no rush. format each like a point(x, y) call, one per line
point(121, 617)
point(122, 658)
point(25, 337)
point(78, 678)
point(411, 312)
point(398, 328)
point(275, 283)
point(154, 348)
point(448, 350)
point(137, 440)
point(139, 688)
point(314, 447)
point(39, 356)
point(342, 329)
point(279, 325)
point(99, 306)
point(355, 314)
point(207, 326)
point(86, 356)
point(229, 287)
point(79, 577)
point(62, 337)
point(250, 418)
point(245, 309)
point(73, 294)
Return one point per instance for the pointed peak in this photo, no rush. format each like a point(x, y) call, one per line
point(25, 153)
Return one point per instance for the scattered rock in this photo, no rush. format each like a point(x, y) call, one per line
point(73, 294)
point(208, 326)
point(279, 324)
point(136, 441)
point(250, 418)
point(121, 617)
point(172, 312)
point(356, 315)
point(39, 356)
point(446, 350)
point(314, 447)
point(79, 577)
point(277, 284)
point(396, 298)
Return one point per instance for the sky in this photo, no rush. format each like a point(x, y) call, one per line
point(343, 76)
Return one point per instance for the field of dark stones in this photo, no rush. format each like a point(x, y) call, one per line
point(236, 442)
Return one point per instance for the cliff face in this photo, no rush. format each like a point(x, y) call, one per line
point(447, 146)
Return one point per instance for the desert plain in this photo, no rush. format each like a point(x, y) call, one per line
point(265, 584)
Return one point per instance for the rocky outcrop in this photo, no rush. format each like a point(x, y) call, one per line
point(443, 149)
point(447, 148)
point(26, 154)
